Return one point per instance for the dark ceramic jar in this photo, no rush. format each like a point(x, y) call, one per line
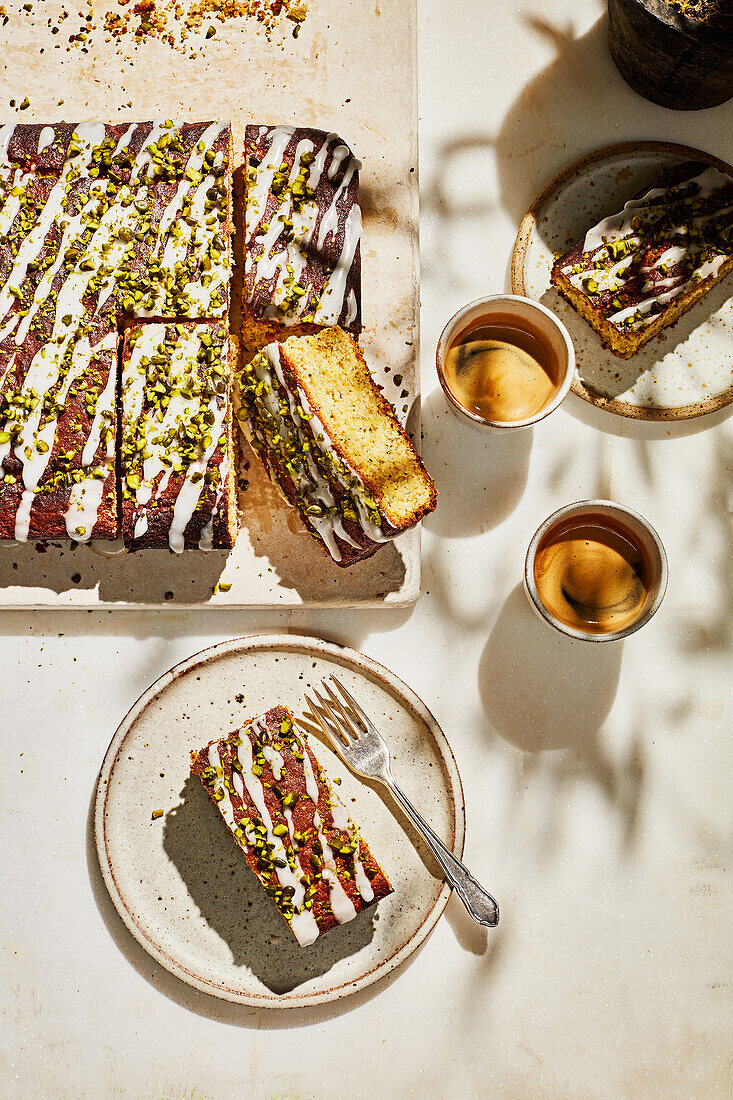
point(677, 60)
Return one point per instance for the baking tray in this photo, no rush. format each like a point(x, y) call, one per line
point(351, 69)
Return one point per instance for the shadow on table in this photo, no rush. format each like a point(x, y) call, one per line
point(540, 689)
point(146, 576)
point(542, 692)
point(577, 103)
point(480, 477)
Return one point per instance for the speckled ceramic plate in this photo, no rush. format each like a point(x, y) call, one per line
point(684, 372)
point(181, 885)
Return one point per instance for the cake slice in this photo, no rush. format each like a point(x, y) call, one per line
point(302, 231)
point(294, 831)
point(177, 472)
point(182, 178)
point(57, 438)
point(640, 269)
point(332, 443)
point(144, 209)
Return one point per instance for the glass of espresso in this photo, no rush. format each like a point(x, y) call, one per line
point(504, 362)
point(596, 571)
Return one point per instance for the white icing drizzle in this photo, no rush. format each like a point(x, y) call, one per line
point(206, 538)
point(6, 132)
point(125, 139)
point(90, 134)
point(363, 884)
point(303, 923)
point(342, 906)
point(257, 195)
point(617, 225)
point(275, 760)
point(180, 411)
point(107, 548)
point(11, 202)
point(331, 302)
point(42, 375)
point(342, 821)
point(86, 496)
point(711, 267)
point(311, 786)
point(351, 308)
point(288, 260)
point(671, 255)
point(45, 138)
point(645, 306)
point(606, 279)
point(143, 158)
point(340, 153)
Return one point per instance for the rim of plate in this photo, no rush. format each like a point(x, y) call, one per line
point(519, 255)
point(322, 648)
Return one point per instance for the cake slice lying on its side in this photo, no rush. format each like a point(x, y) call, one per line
point(639, 270)
point(294, 831)
point(178, 481)
point(332, 443)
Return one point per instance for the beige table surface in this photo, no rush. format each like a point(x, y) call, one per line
point(597, 779)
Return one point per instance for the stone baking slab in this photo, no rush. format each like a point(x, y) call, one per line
point(351, 69)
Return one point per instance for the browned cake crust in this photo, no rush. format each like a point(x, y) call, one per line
point(98, 224)
point(177, 461)
point(638, 271)
point(294, 832)
point(303, 231)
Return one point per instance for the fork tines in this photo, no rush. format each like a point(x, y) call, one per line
point(333, 716)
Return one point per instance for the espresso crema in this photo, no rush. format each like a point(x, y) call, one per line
point(502, 371)
point(592, 574)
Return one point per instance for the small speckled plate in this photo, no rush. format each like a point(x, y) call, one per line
point(684, 372)
point(180, 883)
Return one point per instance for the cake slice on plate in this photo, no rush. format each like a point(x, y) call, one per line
point(638, 270)
point(332, 443)
point(294, 831)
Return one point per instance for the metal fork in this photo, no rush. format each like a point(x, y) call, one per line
point(359, 743)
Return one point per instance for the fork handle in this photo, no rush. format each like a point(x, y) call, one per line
point(480, 904)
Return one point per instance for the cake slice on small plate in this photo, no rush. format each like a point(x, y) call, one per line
point(294, 831)
point(638, 270)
